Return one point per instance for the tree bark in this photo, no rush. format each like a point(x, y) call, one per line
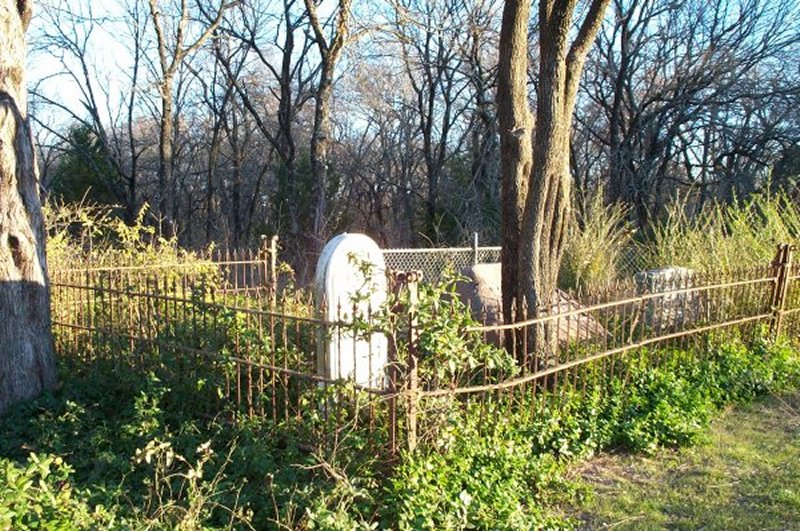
point(320, 140)
point(537, 181)
point(27, 359)
point(516, 127)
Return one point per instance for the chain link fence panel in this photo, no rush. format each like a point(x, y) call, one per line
point(435, 262)
point(632, 260)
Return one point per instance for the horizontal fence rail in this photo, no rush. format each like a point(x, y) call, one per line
point(221, 323)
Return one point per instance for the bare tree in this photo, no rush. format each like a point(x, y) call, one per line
point(690, 97)
point(68, 35)
point(173, 48)
point(403, 136)
point(27, 359)
point(481, 66)
point(431, 44)
point(273, 39)
point(330, 50)
point(416, 127)
point(379, 151)
point(216, 96)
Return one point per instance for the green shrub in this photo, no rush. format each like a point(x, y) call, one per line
point(672, 404)
point(572, 427)
point(492, 480)
point(594, 246)
point(39, 495)
point(724, 237)
point(89, 234)
point(660, 408)
point(499, 464)
point(449, 356)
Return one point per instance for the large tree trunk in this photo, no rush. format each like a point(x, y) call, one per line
point(547, 206)
point(27, 360)
point(516, 126)
point(536, 179)
point(548, 203)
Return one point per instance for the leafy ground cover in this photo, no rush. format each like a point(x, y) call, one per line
point(745, 474)
point(117, 450)
point(511, 476)
point(113, 449)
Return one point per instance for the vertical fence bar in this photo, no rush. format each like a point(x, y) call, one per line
point(273, 271)
point(783, 264)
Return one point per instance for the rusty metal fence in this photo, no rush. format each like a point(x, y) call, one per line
point(222, 322)
point(221, 327)
point(573, 344)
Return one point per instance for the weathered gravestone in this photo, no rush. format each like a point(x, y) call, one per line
point(675, 305)
point(349, 286)
point(482, 292)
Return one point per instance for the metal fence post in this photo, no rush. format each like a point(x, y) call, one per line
point(406, 282)
point(412, 285)
point(474, 248)
point(783, 265)
point(393, 372)
point(272, 268)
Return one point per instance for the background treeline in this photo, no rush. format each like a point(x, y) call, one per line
point(301, 119)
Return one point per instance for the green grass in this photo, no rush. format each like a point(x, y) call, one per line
point(745, 475)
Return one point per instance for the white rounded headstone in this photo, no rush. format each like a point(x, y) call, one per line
point(349, 286)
